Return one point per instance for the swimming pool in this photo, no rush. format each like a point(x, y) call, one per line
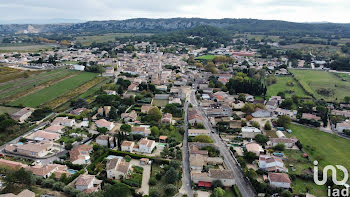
point(72, 171)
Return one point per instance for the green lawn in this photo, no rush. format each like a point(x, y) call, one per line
point(301, 186)
point(281, 86)
point(58, 89)
point(328, 149)
point(299, 163)
point(205, 57)
point(160, 102)
point(314, 80)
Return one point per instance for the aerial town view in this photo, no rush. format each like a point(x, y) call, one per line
point(185, 99)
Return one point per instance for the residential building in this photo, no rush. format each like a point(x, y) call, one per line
point(146, 146)
point(88, 183)
point(145, 131)
point(102, 123)
point(288, 142)
point(255, 148)
point(117, 168)
point(340, 127)
point(145, 108)
point(64, 121)
point(105, 140)
point(36, 150)
point(80, 154)
point(167, 118)
point(55, 129)
point(261, 113)
point(41, 135)
point(23, 114)
point(250, 132)
point(205, 179)
point(194, 117)
point(129, 117)
point(23, 193)
point(271, 164)
point(279, 180)
point(308, 116)
point(127, 146)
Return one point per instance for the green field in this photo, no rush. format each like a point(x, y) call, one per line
point(55, 90)
point(281, 86)
point(205, 57)
point(21, 84)
point(23, 47)
point(9, 110)
point(328, 149)
point(314, 80)
point(301, 186)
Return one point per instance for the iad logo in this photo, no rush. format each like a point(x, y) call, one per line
point(333, 192)
point(334, 174)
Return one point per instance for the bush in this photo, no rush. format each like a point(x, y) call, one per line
point(279, 147)
point(127, 158)
point(249, 117)
point(255, 124)
point(267, 126)
point(152, 181)
point(170, 189)
point(261, 139)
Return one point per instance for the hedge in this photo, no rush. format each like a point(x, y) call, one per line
point(74, 176)
point(91, 167)
point(70, 165)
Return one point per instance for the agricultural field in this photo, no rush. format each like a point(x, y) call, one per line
point(88, 40)
point(34, 80)
point(8, 74)
point(282, 86)
point(205, 57)
point(319, 145)
point(323, 85)
point(58, 89)
point(9, 110)
point(26, 47)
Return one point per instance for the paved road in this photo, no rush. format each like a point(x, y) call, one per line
point(231, 163)
point(186, 178)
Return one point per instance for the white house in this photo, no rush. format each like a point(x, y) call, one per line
point(23, 114)
point(271, 163)
point(127, 146)
point(288, 142)
point(146, 146)
point(78, 67)
point(250, 132)
point(88, 183)
point(279, 180)
point(261, 113)
point(64, 121)
point(342, 126)
point(104, 123)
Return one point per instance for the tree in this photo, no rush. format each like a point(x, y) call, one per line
point(287, 104)
point(255, 124)
point(248, 108)
point(283, 121)
point(171, 176)
point(170, 189)
point(219, 192)
point(347, 99)
point(203, 139)
point(154, 114)
point(155, 131)
point(279, 147)
point(267, 126)
point(241, 97)
point(127, 158)
point(113, 113)
point(152, 181)
point(125, 128)
point(286, 193)
point(249, 156)
point(118, 188)
point(281, 94)
point(102, 130)
point(216, 183)
point(261, 139)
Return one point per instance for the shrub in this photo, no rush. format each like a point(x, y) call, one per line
point(267, 126)
point(249, 117)
point(152, 181)
point(170, 189)
point(127, 158)
point(203, 139)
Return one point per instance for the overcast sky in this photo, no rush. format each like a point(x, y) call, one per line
point(289, 10)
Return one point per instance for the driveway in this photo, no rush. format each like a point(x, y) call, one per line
point(145, 176)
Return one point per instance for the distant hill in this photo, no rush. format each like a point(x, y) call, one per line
point(165, 25)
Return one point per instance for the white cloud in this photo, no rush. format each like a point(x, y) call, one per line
point(289, 10)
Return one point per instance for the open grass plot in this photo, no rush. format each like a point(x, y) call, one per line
point(282, 86)
point(322, 84)
point(327, 148)
point(58, 89)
